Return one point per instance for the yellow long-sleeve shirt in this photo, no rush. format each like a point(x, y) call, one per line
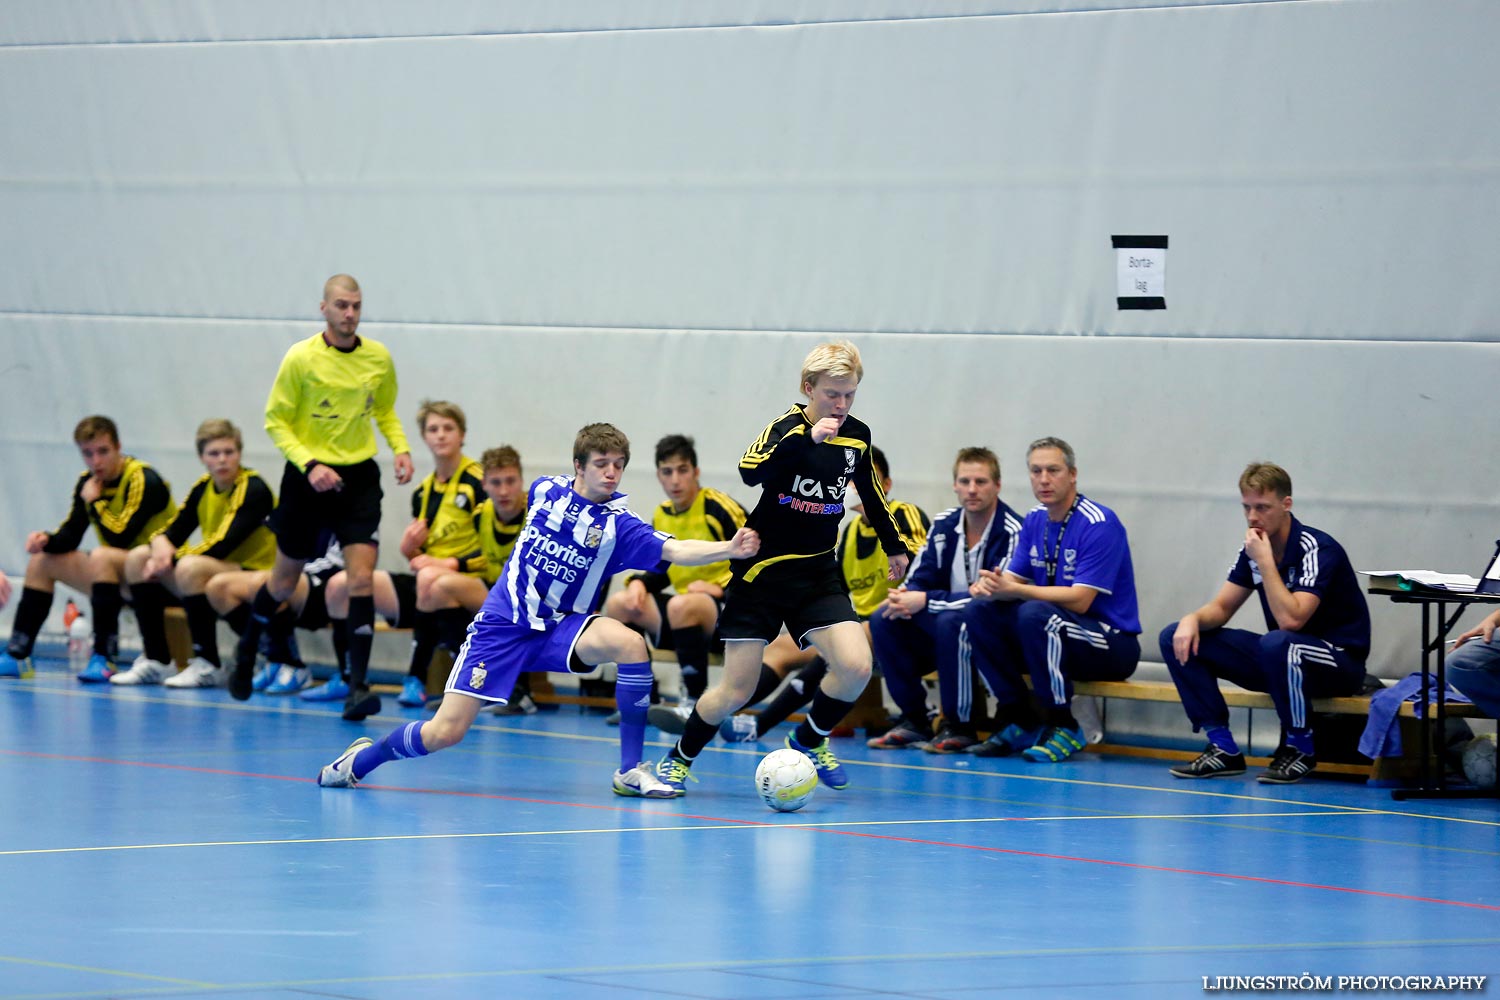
point(324, 399)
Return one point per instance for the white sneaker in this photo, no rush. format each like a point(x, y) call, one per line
point(143, 671)
point(641, 782)
point(340, 774)
point(198, 673)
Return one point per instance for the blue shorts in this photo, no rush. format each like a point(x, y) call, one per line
point(496, 652)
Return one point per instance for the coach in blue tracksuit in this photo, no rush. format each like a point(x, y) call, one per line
point(1317, 638)
point(1073, 588)
point(920, 625)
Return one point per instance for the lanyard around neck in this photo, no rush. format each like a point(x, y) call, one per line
point(973, 555)
point(1053, 553)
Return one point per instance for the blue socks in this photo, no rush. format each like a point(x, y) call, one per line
point(633, 698)
point(1300, 740)
point(398, 744)
point(1221, 737)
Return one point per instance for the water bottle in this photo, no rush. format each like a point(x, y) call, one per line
point(79, 634)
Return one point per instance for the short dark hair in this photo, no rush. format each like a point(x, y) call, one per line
point(674, 445)
point(600, 439)
point(877, 459)
point(978, 456)
point(91, 427)
point(1266, 477)
point(503, 457)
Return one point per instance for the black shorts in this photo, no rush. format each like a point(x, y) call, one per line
point(352, 513)
point(405, 585)
point(803, 597)
point(314, 614)
point(666, 642)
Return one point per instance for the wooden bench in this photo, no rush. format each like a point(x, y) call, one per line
point(1235, 697)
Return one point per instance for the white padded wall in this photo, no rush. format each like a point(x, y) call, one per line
point(677, 200)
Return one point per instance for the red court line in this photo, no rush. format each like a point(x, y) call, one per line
point(1133, 865)
point(1161, 868)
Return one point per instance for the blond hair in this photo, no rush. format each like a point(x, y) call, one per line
point(344, 282)
point(1266, 477)
point(836, 359)
point(214, 428)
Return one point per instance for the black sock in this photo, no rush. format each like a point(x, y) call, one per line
point(203, 626)
point(281, 649)
point(30, 614)
point(424, 642)
point(826, 713)
point(453, 627)
point(696, 735)
point(262, 610)
point(361, 634)
point(1021, 713)
point(792, 697)
point(769, 681)
point(340, 629)
point(237, 618)
point(107, 603)
point(692, 654)
point(1060, 716)
point(150, 600)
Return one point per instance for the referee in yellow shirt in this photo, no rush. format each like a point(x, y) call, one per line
point(328, 391)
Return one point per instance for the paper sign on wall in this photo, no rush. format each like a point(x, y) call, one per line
point(1141, 272)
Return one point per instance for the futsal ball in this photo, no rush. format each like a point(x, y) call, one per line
point(786, 779)
point(1479, 761)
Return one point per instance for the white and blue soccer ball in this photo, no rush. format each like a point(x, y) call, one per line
point(786, 779)
point(1479, 761)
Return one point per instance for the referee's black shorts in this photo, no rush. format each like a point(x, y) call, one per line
point(805, 595)
point(351, 513)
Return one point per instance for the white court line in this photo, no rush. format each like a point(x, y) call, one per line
point(691, 828)
point(1337, 807)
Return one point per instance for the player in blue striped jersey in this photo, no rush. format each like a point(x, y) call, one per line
point(540, 613)
point(1072, 585)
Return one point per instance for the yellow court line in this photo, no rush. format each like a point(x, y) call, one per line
point(885, 958)
point(96, 970)
point(931, 769)
point(679, 828)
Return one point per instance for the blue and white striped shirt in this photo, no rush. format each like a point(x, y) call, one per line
point(568, 549)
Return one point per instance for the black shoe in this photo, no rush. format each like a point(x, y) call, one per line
point(361, 703)
point(1289, 766)
point(242, 678)
point(951, 740)
point(670, 718)
point(1213, 762)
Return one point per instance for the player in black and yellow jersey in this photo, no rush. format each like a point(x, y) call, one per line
point(454, 596)
point(802, 461)
point(865, 568)
point(229, 506)
point(329, 390)
point(126, 502)
point(686, 619)
point(443, 536)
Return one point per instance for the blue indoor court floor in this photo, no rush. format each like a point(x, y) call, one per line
point(159, 843)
